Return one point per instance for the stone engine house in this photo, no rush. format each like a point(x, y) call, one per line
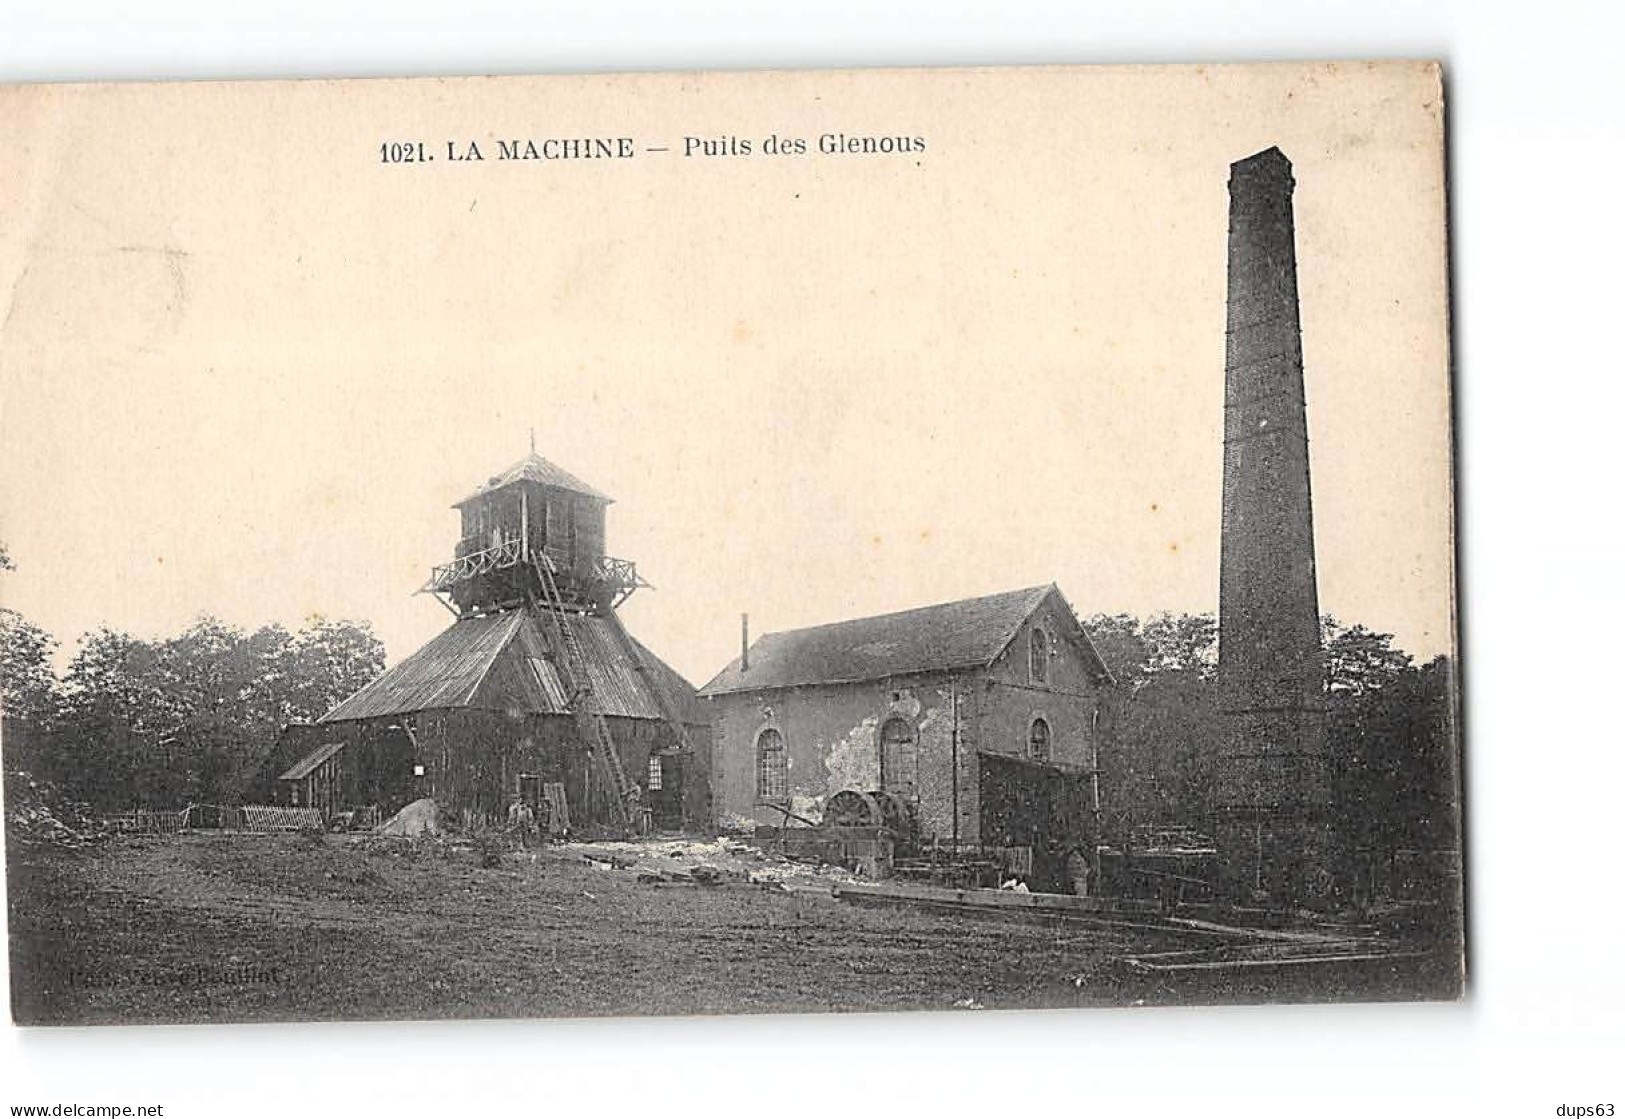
point(983, 715)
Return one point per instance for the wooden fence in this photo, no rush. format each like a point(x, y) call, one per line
point(146, 821)
point(261, 817)
point(194, 817)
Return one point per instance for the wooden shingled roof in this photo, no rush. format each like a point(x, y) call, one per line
point(971, 632)
point(534, 468)
point(502, 662)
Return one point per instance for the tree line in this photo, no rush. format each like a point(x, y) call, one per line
point(1390, 728)
point(192, 718)
point(135, 723)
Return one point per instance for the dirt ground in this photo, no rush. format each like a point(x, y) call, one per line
point(231, 927)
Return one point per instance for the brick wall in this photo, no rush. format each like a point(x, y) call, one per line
point(1270, 668)
point(832, 735)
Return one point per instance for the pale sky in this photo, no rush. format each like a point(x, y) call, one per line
point(245, 367)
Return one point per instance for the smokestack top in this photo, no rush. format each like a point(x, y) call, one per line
point(744, 643)
point(1271, 163)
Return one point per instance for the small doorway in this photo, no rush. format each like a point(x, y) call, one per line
point(530, 791)
point(396, 777)
point(665, 785)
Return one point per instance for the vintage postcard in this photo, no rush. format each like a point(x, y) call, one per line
point(727, 542)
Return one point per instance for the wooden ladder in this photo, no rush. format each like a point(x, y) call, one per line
point(590, 722)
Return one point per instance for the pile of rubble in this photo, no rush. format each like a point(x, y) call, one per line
point(708, 862)
point(36, 815)
point(420, 818)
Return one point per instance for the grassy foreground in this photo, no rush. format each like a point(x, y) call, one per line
point(230, 928)
point(221, 927)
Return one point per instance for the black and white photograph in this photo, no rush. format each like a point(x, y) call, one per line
point(632, 550)
point(895, 579)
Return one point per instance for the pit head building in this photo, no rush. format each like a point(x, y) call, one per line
point(1272, 795)
point(535, 691)
point(980, 717)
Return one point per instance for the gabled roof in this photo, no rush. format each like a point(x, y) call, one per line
point(303, 767)
point(502, 662)
point(972, 632)
point(534, 468)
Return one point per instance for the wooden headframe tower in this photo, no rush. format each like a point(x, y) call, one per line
point(533, 539)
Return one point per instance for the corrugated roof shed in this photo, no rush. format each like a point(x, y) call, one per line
point(534, 468)
point(303, 767)
point(963, 634)
point(501, 662)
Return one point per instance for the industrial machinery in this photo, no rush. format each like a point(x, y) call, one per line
point(861, 830)
point(853, 809)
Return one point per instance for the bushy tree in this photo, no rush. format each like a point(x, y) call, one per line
point(1161, 720)
point(29, 691)
point(1358, 660)
point(115, 724)
point(28, 686)
point(326, 662)
point(1182, 643)
point(191, 718)
point(159, 723)
point(1393, 748)
point(1390, 729)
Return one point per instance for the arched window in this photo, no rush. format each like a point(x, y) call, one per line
point(899, 758)
point(772, 770)
point(1040, 656)
point(1038, 741)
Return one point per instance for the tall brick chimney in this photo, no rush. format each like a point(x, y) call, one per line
point(1271, 784)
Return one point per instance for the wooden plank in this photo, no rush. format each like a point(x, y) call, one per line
point(1256, 933)
point(1112, 913)
point(1326, 960)
point(995, 899)
point(558, 807)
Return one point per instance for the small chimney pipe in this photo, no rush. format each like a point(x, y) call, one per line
point(744, 642)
